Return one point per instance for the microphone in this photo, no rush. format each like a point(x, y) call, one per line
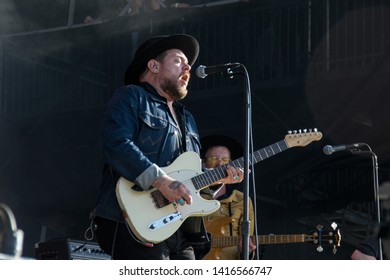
point(328, 149)
point(202, 71)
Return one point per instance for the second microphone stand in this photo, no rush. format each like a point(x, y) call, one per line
point(376, 193)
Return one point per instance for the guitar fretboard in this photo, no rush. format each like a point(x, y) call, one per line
point(230, 241)
point(202, 180)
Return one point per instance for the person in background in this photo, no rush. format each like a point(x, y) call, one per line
point(219, 150)
point(367, 249)
point(145, 128)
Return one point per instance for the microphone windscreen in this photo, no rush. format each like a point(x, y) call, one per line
point(328, 150)
point(200, 72)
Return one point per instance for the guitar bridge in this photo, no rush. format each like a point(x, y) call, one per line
point(165, 221)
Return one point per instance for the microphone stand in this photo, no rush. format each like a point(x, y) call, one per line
point(376, 194)
point(245, 223)
point(377, 201)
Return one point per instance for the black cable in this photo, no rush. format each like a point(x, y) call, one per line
point(147, 244)
point(114, 239)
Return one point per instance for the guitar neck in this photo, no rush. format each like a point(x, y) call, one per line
point(209, 177)
point(230, 241)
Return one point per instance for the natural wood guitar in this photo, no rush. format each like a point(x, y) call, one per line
point(317, 237)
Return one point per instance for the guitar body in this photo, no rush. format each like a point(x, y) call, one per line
point(153, 224)
point(213, 254)
point(215, 228)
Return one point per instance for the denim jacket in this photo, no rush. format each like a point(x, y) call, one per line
point(140, 135)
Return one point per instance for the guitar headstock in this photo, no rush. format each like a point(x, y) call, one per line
point(319, 237)
point(302, 137)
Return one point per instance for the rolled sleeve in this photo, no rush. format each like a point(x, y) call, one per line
point(145, 179)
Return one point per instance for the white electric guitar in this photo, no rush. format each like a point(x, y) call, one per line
point(152, 218)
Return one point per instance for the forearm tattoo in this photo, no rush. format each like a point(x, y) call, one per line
point(158, 182)
point(175, 185)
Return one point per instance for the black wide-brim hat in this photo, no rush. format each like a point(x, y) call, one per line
point(235, 148)
point(153, 47)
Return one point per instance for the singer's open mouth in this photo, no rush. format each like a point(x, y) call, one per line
point(185, 78)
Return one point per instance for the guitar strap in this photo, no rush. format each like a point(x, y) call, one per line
point(230, 214)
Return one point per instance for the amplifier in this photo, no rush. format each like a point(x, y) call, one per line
point(69, 249)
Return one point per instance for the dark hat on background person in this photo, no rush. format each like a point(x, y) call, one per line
point(235, 148)
point(155, 46)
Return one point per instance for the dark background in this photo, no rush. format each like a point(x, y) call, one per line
point(310, 65)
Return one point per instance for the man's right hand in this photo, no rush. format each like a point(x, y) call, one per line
point(173, 190)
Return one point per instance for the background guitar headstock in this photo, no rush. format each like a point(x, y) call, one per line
point(302, 137)
point(319, 237)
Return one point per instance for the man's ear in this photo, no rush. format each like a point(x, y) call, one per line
point(153, 65)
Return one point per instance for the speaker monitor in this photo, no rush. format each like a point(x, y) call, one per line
point(69, 249)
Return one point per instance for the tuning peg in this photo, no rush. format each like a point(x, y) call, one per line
point(330, 241)
point(334, 225)
point(334, 250)
point(320, 249)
